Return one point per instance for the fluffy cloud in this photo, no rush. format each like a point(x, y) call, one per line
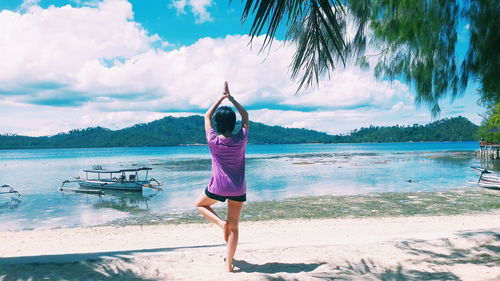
point(27, 4)
point(43, 50)
point(340, 121)
point(190, 78)
point(198, 7)
point(35, 120)
point(98, 55)
point(95, 62)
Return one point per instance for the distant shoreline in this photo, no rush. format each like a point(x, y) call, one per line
point(188, 131)
point(195, 145)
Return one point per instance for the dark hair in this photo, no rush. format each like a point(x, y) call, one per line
point(225, 119)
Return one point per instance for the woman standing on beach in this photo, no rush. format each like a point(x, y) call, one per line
point(228, 170)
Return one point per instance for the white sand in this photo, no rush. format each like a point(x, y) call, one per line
point(465, 247)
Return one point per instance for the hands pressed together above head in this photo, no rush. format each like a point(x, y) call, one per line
point(226, 93)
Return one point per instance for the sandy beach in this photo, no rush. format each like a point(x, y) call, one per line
point(460, 247)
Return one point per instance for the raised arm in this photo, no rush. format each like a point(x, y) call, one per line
point(241, 110)
point(210, 112)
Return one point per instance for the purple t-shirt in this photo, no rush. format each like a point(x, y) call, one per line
point(228, 163)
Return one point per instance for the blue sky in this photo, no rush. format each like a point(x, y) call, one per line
point(113, 63)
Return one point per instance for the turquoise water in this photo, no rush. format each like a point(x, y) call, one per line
point(273, 172)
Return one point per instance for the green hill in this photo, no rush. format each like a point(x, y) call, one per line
point(170, 131)
point(163, 132)
point(453, 129)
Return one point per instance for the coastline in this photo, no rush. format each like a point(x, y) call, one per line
point(254, 144)
point(451, 247)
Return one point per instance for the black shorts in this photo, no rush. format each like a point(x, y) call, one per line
point(240, 198)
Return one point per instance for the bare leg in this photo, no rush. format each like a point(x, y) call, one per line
point(203, 204)
point(233, 218)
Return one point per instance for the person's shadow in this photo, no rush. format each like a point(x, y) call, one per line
point(275, 267)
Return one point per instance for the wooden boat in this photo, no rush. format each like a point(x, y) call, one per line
point(7, 189)
point(97, 179)
point(9, 197)
point(488, 178)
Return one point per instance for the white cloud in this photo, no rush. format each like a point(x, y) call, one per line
point(198, 8)
point(180, 6)
point(190, 78)
point(27, 4)
point(342, 121)
point(34, 120)
point(48, 47)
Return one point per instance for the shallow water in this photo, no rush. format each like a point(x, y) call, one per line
point(273, 172)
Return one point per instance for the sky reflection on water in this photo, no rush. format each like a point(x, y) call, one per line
point(273, 172)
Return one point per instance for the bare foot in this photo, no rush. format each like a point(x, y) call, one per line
point(229, 267)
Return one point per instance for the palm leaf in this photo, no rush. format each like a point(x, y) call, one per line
point(316, 27)
point(417, 39)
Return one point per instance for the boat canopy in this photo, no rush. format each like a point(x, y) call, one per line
point(104, 171)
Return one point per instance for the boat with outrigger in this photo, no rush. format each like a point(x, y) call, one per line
point(488, 178)
point(11, 201)
point(98, 179)
point(7, 189)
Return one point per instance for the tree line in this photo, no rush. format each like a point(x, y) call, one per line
point(170, 131)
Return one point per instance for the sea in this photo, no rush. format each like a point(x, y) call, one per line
point(274, 172)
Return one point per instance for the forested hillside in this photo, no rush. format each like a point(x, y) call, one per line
point(454, 129)
point(164, 132)
point(189, 130)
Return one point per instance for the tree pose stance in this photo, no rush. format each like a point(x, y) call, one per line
point(228, 170)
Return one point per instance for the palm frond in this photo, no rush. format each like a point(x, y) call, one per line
point(316, 27)
point(418, 40)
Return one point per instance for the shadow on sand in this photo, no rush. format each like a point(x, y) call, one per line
point(433, 260)
point(87, 270)
point(115, 265)
point(66, 258)
point(368, 269)
point(481, 251)
point(275, 267)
